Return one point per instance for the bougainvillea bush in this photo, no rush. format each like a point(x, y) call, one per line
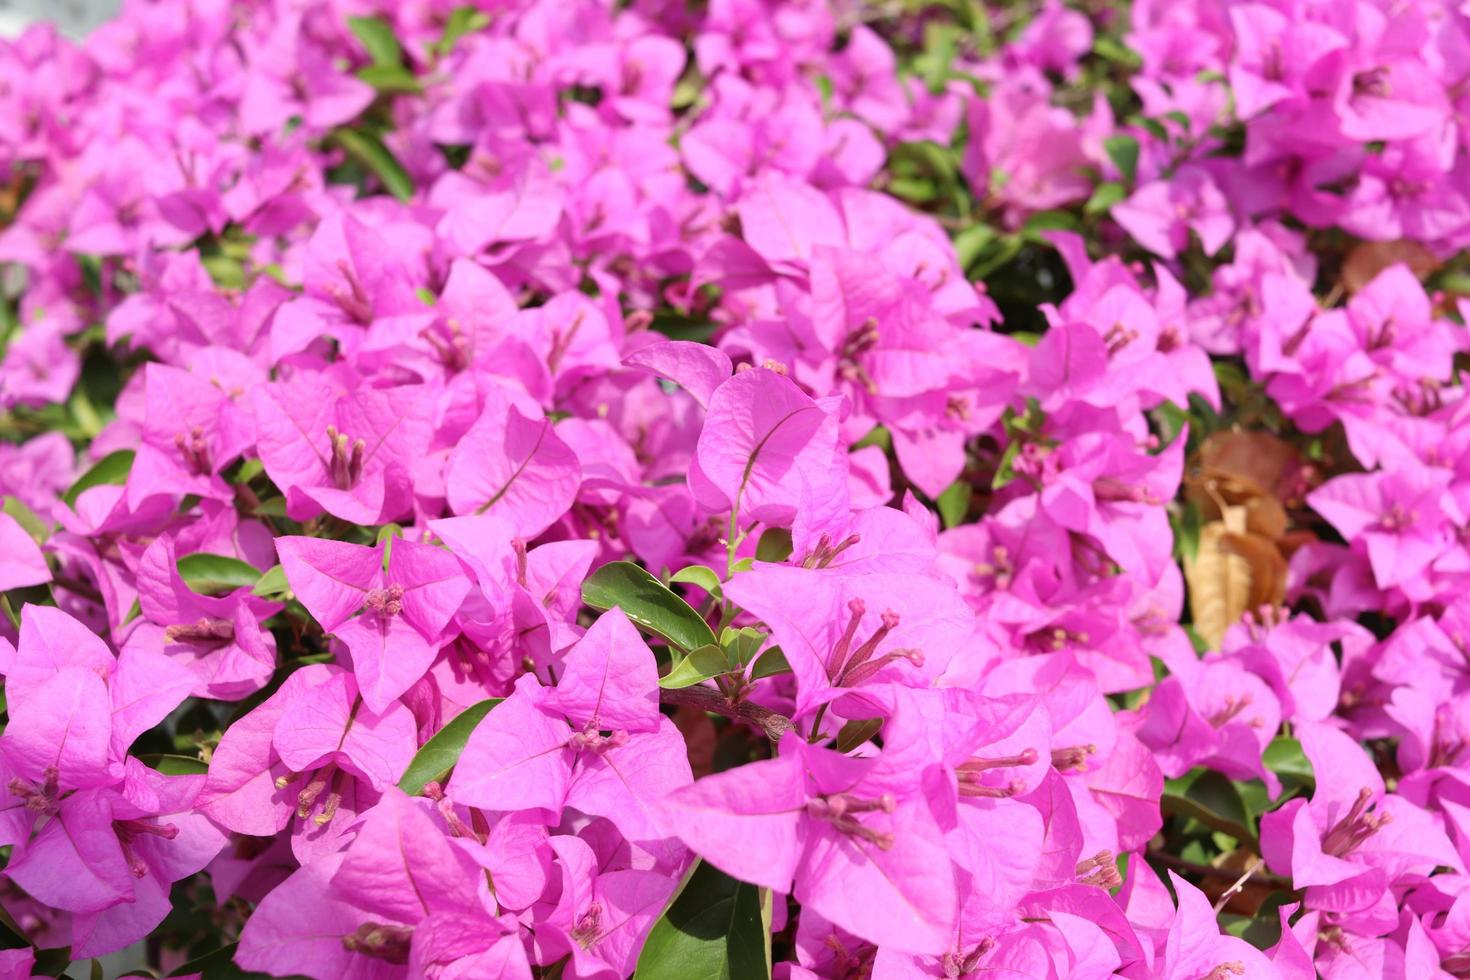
point(737, 489)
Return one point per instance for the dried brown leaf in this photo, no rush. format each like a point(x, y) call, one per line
point(1368, 259)
point(1233, 570)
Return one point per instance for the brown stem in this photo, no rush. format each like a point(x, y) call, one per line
point(1227, 874)
point(77, 587)
point(773, 723)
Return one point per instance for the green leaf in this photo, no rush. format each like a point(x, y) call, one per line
point(1043, 221)
point(1103, 199)
point(741, 645)
point(377, 37)
point(462, 21)
point(220, 965)
point(27, 519)
point(970, 243)
point(175, 765)
point(112, 468)
point(433, 762)
point(769, 664)
point(700, 665)
point(715, 928)
point(210, 574)
point(702, 576)
point(1284, 757)
point(369, 151)
point(227, 273)
point(1115, 51)
point(856, 732)
point(1123, 151)
point(774, 545)
point(272, 584)
point(648, 603)
point(249, 470)
point(954, 502)
point(1213, 800)
point(390, 79)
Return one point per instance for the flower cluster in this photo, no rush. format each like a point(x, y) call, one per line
point(756, 489)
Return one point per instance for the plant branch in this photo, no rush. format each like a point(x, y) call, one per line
point(773, 723)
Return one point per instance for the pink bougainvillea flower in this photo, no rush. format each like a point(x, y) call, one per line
point(23, 563)
point(598, 744)
point(513, 465)
point(220, 639)
point(348, 453)
point(857, 839)
point(311, 751)
point(765, 444)
point(403, 608)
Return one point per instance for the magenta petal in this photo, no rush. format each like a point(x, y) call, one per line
point(516, 758)
point(402, 867)
point(610, 680)
point(21, 561)
point(513, 466)
point(746, 821)
point(329, 577)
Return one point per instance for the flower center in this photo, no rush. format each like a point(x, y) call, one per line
point(848, 666)
point(208, 631)
point(195, 450)
point(1232, 707)
point(381, 941)
point(590, 739)
point(1350, 832)
point(589, 927)
point(345, 464)
point(354, 299)
point(1071, 758)
point(386, 601)
point(1224, 971)
point(825, 552)
point(841, 811)
point(45, 799)
point(1100, 870)
point(971, 775)
point(960, 963)
point(327, 780)
point(857, 343)
point(129, 831)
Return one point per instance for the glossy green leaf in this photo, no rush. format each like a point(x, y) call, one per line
point(701, 664)
point(377, 38)
point(715, 928)
point(175, 765)
point(1284, 757)
point(220, 965)
point(433, 762)
point(209, 574)
point(774, 545)
point(112, 468)
point(741, 645)
point(954, 502)
point(273, 584)
point(390, 79)
point(648, 603)
point(462, 21)
point(769, 664)
point(1214, 801)
point(369, 151)
point(856, 732)
point(28, 519)
point(1103, 199)
point(1123, 151)
point(702, 576)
